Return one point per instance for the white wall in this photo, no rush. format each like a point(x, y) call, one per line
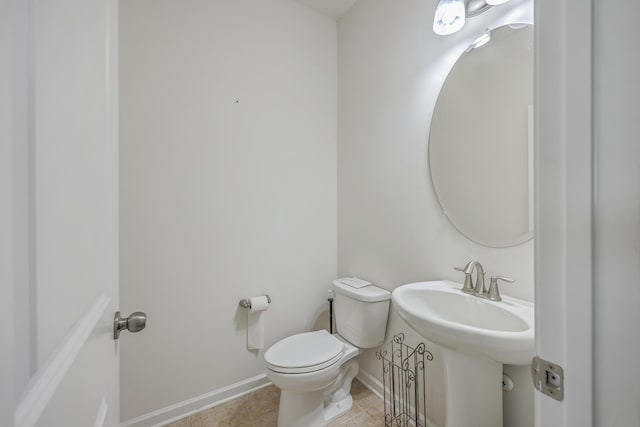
point(228, 186)
point(390, 228)
point(616, 266)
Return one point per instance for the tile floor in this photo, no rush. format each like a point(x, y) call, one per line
point(260, 409)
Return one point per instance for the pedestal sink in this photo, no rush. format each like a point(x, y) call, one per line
point(478, 336)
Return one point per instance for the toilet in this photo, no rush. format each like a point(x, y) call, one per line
point(314, 370)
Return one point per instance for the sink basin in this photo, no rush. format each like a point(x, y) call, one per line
point(477, 337)
point(502, 331)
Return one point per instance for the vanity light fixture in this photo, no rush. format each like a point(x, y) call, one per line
point(449, 17)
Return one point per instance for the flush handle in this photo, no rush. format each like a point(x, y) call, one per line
point(134, 323)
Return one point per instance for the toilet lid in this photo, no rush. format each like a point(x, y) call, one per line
point(307, 352)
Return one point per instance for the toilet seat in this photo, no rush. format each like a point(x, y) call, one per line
point(303, 353)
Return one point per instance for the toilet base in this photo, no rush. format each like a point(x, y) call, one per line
point(307, 410)
point(301, 409)
point(336, 409)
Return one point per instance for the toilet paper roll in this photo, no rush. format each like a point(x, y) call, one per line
point(260, 303)
point(255, 322)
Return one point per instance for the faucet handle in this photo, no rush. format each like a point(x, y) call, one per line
point(468, 285)
point(494, 293)
point(468, 268)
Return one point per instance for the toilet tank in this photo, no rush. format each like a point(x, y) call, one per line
point(361, 313)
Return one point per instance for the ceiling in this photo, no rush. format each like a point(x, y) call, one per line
point(332, 8)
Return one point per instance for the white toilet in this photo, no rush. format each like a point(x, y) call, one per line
point(314, 370)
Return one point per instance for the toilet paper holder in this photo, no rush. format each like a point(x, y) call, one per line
point(246, 303)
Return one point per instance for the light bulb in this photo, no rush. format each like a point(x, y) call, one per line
point(495, 2)
point(449, 17)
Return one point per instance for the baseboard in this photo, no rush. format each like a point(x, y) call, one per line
point(191, 406)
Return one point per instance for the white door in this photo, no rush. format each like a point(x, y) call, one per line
point(588, 244)
point(563, 254)
point(64, 201)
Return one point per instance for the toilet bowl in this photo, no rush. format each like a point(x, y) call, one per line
point(314, 370)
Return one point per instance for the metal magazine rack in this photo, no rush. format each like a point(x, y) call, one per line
point(404, 382)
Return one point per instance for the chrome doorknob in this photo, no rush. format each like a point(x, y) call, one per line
point(134, 323)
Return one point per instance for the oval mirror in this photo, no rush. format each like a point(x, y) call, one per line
point(481, 141)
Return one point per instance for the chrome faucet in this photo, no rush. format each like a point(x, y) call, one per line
point(478, 289)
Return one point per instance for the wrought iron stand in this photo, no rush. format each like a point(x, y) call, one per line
point(404, 380)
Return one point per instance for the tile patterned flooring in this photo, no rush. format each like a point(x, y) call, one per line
point(260, 409)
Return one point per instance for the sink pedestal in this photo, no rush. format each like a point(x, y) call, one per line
point(473, 390)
